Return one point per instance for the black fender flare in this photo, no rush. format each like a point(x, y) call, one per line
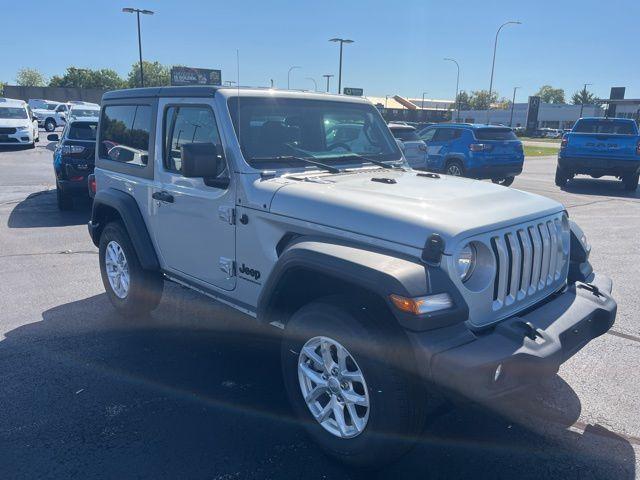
point(380, 272)
point(127, 208)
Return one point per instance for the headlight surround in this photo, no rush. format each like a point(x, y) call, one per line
point(23, 128)
point(466, 262)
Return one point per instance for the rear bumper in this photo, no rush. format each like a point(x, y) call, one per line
point(598, 165)
point(494, 171)
point(75, 187)
point(523, 349)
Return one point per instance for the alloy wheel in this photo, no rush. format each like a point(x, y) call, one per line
point(333, 387)
point(117, 269)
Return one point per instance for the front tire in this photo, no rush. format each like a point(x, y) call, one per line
point(631, 182)
point(131, 289)
point(362, 406)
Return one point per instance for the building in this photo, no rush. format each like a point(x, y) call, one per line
point(397, 108)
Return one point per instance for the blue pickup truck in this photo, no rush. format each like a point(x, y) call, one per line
point(598, 147)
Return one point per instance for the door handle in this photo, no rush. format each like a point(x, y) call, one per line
point(162, 196)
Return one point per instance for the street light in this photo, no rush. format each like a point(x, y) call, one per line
point(457, 101)
point(584, 94)
point(423, 94)
point(493, 64)
point(513, 102)
point(315, 84)
point(137, 11)
point(289, 76)
point(342, 42)
point(327, 76)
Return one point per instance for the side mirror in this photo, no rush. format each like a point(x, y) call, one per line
point(201, 160)
point(53, 137)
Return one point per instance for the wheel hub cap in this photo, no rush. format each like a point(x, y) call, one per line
point(117, 269)
point(333, 387)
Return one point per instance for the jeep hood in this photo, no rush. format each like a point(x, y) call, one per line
point(408, 211)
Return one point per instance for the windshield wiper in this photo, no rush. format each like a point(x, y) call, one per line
point(366, 159)
point(306, 160)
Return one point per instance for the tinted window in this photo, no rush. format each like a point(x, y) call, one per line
point(446, 134)
point(78, 112)
point(605, 126)
point(427, 135)
point(82, 131)
point(495, 134)
point(187, 125)
point(405, 134)
point(124, 134)
point(13, 113)
point(61, 108)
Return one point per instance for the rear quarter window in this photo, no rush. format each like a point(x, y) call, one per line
point(495, 134)
point(124, 134)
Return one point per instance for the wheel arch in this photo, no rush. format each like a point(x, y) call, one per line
point(114, 205)
point(309, 269)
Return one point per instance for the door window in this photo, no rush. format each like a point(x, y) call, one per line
point(446, 134)
point(427, 135)
point(187, 124)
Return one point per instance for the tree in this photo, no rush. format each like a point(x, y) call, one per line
point(74, 77)
point(155, 75)
point(583, 97)
point(548, 94)
point(30, 77)
point(480, 99)
point(463, 101)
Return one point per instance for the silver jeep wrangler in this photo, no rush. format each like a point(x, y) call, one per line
point(389, 284)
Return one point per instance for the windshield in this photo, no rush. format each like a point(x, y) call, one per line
point(84, 112)
point(329, 131)
point(405, 134)
point(619, 127)
point(495, 134)
point(83, 131)
point(13, 113)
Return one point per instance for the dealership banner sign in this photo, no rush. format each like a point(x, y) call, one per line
point(195, 76)
point(356, 92)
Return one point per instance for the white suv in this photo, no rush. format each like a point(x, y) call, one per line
point(18, 125)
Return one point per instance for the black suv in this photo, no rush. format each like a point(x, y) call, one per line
point(73, 160)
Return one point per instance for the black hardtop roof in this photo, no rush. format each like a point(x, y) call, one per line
point(154, 92)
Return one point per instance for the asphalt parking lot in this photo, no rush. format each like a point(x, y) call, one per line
point(193, 392)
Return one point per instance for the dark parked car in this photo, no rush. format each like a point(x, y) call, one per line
point(73, 160)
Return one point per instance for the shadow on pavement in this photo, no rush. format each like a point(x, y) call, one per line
point(195, 392)
point(605, 187)
point(40, 210)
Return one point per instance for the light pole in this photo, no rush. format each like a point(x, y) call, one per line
point(327, 76)
point(457, 102)
point(513, 102)
point(342, 42)
point(137, 11)
point(493, 63)
point(423, 94)
point(289, 75)
point(584, 94)
point(315, 84)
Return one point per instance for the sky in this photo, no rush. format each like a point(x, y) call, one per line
point(398, 50)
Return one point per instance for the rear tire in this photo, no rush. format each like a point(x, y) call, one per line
point(132, 290)
point(505, 182)
point(454, 168)
point(64, 201)
point(631, 182)
point(395, 404)
point(50, 125)
point(561, 177)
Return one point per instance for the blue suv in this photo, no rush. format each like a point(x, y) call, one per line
point(473, 150)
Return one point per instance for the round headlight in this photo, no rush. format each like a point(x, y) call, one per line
point(466, 262)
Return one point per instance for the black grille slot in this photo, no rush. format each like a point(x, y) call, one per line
point(7, 131)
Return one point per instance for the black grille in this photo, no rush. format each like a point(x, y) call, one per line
point(7, 131)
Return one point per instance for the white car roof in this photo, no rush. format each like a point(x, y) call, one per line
point(12, 102)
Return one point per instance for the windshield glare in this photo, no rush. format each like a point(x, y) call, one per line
point(329, 131)
point(13, 113)
point(495, 134)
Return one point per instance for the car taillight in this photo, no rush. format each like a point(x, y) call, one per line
point(479, 147)
point(93, 186)
point(564, 143)
point(71, 149)
point(638, 149)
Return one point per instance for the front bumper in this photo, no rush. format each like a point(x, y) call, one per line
point(598, 165)
point(21, 137)
point(522, 349)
